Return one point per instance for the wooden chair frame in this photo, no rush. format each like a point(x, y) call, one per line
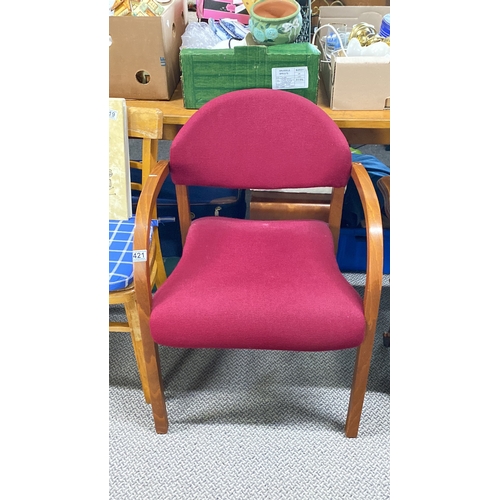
point(145, 124)
point(371, 298)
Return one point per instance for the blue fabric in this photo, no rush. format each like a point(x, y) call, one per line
point(352, 213)
point(121, 242)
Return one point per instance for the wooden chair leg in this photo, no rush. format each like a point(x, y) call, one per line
point(135, 334)
point(155, 382)
point(358, 388)
point(143, 298)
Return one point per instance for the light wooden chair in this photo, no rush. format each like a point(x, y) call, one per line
point(147, 125)
point(259, 284)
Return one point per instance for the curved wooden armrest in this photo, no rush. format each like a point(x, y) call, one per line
point(374, 241)
point(142, 242)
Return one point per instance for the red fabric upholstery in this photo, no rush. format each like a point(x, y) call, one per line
point(273, 139)
point(237, 286)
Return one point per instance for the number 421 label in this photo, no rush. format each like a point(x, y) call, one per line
point(139, 255)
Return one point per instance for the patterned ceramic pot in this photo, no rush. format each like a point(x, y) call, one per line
point(273, 22)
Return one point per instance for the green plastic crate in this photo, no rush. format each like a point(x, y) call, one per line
point(208, 73)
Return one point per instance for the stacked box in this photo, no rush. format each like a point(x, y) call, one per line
point(144, 53)
point(354, 82)
point(208, 73)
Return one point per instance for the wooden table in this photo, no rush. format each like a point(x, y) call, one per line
point(359, 127)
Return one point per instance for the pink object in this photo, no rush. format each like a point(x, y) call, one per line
point(259, 284)
point(222, 9)
point(271, 139)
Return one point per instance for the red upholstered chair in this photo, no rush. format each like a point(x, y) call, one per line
point(254, 284)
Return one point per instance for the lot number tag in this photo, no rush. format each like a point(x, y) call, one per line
point(290, 78)
point(139, 255)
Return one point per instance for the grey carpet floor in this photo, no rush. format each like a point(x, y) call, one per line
point(249, 424)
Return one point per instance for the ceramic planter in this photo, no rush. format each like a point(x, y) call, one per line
point(274, 22)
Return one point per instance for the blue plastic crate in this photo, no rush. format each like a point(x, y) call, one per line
point(351, 254)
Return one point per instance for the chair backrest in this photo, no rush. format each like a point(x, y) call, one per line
point(262, 139)
point(145, 124)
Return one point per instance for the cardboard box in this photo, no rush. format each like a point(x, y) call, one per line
point(316, 4)
point(208, 73)
point(354, 82)
point(144, 53)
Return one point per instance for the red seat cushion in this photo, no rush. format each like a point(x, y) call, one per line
point(258, 285)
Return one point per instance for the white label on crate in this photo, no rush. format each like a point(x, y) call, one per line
point(139, 255)
point(290, 78)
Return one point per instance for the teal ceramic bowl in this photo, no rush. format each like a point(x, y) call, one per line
point(273, 22)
